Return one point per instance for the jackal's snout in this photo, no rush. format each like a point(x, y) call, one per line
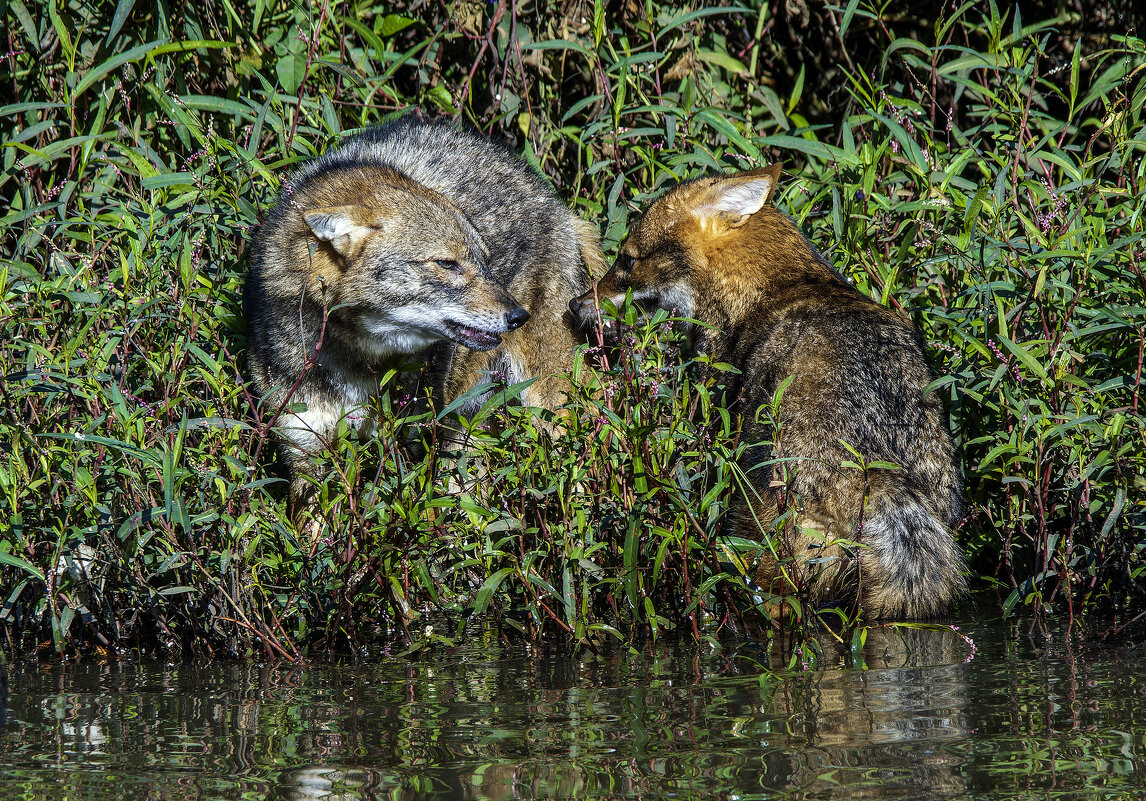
point(580, 305)
point(515, 318)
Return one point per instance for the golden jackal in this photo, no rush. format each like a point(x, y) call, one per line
point(717, 251)
point(407, 235)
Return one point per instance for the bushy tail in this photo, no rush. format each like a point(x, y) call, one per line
point(912, 566)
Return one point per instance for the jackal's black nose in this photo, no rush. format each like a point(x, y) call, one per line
point(516, 318)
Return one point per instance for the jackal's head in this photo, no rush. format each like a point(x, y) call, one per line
point(673, 252)
point(407, 269)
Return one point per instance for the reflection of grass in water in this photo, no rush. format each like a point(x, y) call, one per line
point(485, 718)
point(985, 185)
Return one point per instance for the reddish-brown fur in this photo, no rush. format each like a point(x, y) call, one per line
point(716, 251)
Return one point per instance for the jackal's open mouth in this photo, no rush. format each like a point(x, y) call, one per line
point(474, 338)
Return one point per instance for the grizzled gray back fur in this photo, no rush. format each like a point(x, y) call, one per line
point(452, 239)
point(508, 202)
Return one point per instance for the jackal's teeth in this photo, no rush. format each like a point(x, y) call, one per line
point(474, 338)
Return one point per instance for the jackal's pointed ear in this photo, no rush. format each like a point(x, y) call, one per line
point(734, 199)
point(341, 226)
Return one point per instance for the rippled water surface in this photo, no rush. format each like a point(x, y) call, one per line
point(1029, 716)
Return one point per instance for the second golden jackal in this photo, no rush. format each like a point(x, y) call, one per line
point(410, 237)
point(715, 250)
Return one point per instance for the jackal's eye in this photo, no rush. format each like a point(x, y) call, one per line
point(451, 265)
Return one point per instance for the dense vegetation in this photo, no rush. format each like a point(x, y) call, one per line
point(981, 170)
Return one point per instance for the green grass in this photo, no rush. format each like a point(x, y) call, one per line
point(982, 171)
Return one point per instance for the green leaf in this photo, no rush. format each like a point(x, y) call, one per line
point(131, 450)
point(122, 10)
point(18, 8)
point(561, 44)
point(99, 72)
point(907, 143)
point(724, 126)
point(722, 60)
point(1112, 518)
point(393, 23)
point(27, 567)
point(1024, 356)
point(366, 33)
point(846, 22)
point(797, 91)
point(485, 594)
point(995, 453)
point(852, 451)
point(904, 43)
point(61, 31)
point(689, 16)
point(973, 208)
point(859, 639)
point(440, 97)
point(809, 147)
point(291, 70)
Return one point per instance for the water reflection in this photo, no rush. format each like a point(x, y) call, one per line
point(1025, 716)
point(3, 693)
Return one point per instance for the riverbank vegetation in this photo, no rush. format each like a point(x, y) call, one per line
point(980, 170)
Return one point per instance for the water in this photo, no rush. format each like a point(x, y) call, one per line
point(1030, 716)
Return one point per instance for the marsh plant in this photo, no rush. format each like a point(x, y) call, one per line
point(979, 169)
